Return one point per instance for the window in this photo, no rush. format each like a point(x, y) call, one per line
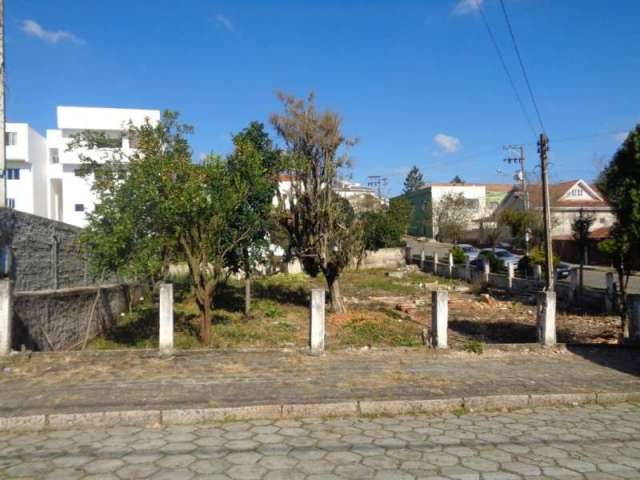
point(575, 192)
point(603, 220)
point(11, 202)
point(79, 207)
point(10, 138)
point(53, 155)
point(13, 174)
point(472, 203)
point(77, 172)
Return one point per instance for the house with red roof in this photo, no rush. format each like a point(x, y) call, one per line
point(568, 200)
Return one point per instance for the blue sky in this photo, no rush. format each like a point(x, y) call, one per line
point(417, 82)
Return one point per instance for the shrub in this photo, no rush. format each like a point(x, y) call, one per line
point(536, 257)
point(458, 255)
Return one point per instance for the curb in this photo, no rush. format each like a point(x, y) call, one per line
point(190, 416)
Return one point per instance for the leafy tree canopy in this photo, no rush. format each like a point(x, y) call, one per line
point(413, 181)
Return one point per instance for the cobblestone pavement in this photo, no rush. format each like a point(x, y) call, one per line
point(145, 380)
point(588, 443)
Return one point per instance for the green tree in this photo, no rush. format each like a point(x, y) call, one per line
point(413, 181)
point(620, 184)
point(519, 222)
point(580, 230)
point(324, 233)
point(161, 207)
point(254, 157)
point(451, 216)
point(457, 179)
point(400, 212)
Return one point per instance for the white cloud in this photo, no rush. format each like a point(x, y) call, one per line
point(620, 136)
point(467, 7)
point(224, 22)
point(447, 143)
point(34, 29)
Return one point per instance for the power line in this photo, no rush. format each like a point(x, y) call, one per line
point(524, 71)
point(504, 66)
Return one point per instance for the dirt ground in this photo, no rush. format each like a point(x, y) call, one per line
point(384, 309)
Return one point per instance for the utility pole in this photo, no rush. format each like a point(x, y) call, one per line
point(377, 182)
point(543, 149)
point(3, 151)
point(522, 177)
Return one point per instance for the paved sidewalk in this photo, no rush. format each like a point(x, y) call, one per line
point(587, 443)
point(103, 381)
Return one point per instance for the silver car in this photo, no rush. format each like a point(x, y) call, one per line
point(470, 252)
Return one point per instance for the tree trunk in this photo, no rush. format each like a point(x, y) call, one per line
point(337, 302)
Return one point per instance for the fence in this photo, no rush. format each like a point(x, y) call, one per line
point(594, 299)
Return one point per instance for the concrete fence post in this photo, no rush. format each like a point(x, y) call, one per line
point(467, 269)
point(422, 259)
point(6, 315)
point(166, 317)
point(537, 272)
point(435, 263)
point(316, 327)
point(486, 271)
point(610, 299)
point(509, 275)
point(450, 265)
point(546, 317)
point(633, 301)
point(439, 318)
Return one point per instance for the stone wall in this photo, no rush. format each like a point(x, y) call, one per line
point(45, 253)
point(49, 320)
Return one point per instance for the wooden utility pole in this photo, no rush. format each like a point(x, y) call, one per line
point(543, 149)
point(3, 151)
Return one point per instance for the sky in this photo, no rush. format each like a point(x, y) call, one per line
point(416, 82)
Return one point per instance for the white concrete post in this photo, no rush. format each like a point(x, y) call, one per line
point(546, 317)
point(609, 299)
point(537, 272)
point(633, 301)
point(486, 270)
point(6, 315)
point(316, 327)
point(435, 263)
point(439, 318)
point(450, 265)
point(422, 259)
point(166, 317)
point(509, 275)
point(467, 269)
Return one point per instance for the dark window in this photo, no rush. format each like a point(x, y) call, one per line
point(10, 138)
point(79, 207)
point(13, 174)
point(11, 202)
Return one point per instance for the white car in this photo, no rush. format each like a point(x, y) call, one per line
point(470, 252)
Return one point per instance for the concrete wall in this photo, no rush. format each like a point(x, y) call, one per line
point(384, 258)
point(46, 254)
point(50, 320)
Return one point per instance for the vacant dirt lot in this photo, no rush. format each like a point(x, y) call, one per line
point(385, 309)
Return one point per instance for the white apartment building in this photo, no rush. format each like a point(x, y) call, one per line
point(42, 174)
point(25, 169)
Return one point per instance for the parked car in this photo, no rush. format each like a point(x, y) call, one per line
point(484, 256)
point(470, 252)
point(507, 257)
point(563, 270)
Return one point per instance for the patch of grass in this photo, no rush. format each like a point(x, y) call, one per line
point(254, 332)
point(362, 332)
point(473, 346)
point(459, 412)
